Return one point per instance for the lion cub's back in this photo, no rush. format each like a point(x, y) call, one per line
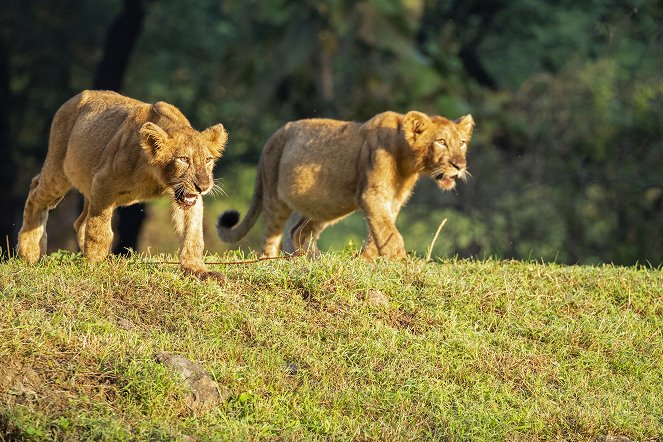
point(104, 112)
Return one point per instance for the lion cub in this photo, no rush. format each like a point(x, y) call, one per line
point(118, 151)
point(325, 169)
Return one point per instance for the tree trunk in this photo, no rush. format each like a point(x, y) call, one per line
point(8, 203)
point(461, 12)
point(120, 42)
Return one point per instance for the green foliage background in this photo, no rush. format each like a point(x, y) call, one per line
point(568, 152)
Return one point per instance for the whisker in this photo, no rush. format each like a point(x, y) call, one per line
point(437, 171)
point(179, 189)
point(217, 190)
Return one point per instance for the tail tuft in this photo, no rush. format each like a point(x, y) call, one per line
point(228, 219)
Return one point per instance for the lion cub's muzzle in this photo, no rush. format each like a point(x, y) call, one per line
point(188, 197)
point(446, 176)
point(447, 180)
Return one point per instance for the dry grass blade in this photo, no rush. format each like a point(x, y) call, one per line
point(246, 261)
point(432, 244)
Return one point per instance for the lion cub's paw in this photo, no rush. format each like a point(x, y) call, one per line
point(205, 275)
point(371, 254)
point(30, 256)
point(214, 276)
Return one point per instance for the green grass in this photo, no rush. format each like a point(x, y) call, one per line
point(464, 350)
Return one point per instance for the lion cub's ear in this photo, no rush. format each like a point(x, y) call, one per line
point(152, 139)
point(466, 126)
point(414, 124)
point(218, 137)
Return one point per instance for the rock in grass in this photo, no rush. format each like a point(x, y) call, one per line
point(125, 324)
point(18, 383)
point(376, 297)
point(205, 392)
point(292, 369)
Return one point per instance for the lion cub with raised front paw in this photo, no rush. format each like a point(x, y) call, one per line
point(119, 151)
point(325, 169)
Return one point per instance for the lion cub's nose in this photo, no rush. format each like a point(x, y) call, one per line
point(459, 165)
point(202, 188)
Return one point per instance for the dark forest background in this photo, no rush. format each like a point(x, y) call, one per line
point(567, 156)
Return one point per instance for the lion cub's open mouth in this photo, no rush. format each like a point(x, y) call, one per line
point(187, 199)
point(445, 182)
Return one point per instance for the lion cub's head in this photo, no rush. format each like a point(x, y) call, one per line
point(183, 158)
point(440, 146)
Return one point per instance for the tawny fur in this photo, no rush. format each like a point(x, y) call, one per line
point(119, 151)
point(322, 170)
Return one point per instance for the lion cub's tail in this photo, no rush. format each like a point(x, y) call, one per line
point(226, 224)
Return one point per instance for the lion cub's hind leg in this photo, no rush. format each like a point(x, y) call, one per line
point(46, 191)
point(79, 225)
point(304, 236)
point(276, 216)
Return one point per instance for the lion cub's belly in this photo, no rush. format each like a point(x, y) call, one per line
point(316, 190)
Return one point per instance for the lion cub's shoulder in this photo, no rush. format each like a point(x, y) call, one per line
point(315, 123)
point(388, 119)
point(166, 111)
point(107, 99)
point(100, 102)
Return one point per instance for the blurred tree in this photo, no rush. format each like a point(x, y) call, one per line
point(120, 42)
point(8, 172)
point(567, 146)
point(457, 28)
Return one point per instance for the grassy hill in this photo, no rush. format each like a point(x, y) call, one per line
point(461, 350)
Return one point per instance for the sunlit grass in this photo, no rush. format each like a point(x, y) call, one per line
point(464, 350)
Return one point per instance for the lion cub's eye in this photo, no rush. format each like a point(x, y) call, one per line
point(441, 143)
point(463, 145)
point(184, 160)
point(209, 160)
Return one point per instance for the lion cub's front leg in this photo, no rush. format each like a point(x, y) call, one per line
point(383, 237)
point(189, 226)
point(370, 249)
point(378, 200)
point(390, 243)
point(98, 232)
